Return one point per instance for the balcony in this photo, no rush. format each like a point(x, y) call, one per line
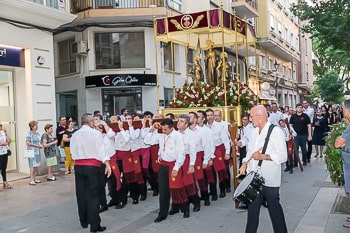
point(245, 8)
point(82, 5)
point(102, 11)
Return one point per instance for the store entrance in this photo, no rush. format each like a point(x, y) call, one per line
point(7, 113)
point(114, 100)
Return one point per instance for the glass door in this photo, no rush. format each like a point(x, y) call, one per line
point(7, 113)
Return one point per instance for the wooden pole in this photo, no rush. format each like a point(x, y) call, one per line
point(233, 133)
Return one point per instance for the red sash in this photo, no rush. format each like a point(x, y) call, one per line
point(198, 166)
point(219, 161)
point(128, 165)
point(188, 179)
point(137, 166)
point(154, 157)
point(115, 169)
point(88, 162)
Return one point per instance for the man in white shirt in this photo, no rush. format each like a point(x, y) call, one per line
point(222, 152)
point(244, 134)
point(275, 115)
point(88, 152)
point(171, 157)
point(270, 170)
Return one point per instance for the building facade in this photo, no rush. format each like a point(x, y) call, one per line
point(27, 81)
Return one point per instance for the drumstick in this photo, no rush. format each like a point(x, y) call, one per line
point(249, 161)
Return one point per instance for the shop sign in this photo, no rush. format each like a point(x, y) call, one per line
point(11, 56)
point(120, 80)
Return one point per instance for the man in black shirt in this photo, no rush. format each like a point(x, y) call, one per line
point(61, 128)
point(302, 126)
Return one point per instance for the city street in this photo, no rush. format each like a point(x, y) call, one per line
point(307, 198)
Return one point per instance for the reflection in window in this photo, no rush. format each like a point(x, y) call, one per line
point(167, 56)
point(67, 63)
point(120, 50)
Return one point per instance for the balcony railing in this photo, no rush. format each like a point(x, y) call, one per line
point(81, 5)
point(251, 3)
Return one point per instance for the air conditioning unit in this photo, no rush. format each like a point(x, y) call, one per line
point(79, 48)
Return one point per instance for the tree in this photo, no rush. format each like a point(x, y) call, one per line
point(331, 88)
point(328, 22)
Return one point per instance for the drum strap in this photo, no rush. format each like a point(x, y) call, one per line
point(266, 142)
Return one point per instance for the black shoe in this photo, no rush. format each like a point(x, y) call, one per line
point(286, 169)
point(291, 171)
point(214, 197)
point(196, 207)
point(173, 211)
point(222, 194)
point(155, 193)
point(304, 163)
point(103, 208)
point(186, 211)
point(159, 219)
point(121, 205)
point(143, 197)
point(135, 201)
point(228, 190)
point(309, 161)
point(206, 203)
point(84, 225)
point(98, 229)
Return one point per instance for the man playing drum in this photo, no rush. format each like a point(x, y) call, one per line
point(272, 158)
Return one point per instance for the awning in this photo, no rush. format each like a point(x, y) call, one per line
point(264, 95)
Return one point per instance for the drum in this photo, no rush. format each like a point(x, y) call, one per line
point(249, 188)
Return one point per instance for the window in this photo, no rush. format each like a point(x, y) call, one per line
point(287, 35)
point(285, 71)
point(271, 65)
point(291, 39)
point(251, 61)
point(168, 60)
point(168, 96)
point(114, 50)
point(280, 33)
point(175, 4)
point(272, 22)
point(67, 63)
point(190, 55)
point(263, 61)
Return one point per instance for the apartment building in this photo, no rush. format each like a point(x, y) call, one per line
point(27, 81)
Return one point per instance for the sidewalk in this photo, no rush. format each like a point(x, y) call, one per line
point(307, 198)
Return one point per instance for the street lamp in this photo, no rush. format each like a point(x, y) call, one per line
point(276, 65)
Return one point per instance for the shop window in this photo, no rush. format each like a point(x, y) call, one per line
point(168, 60)
point(67, 104)
point(168, 96)
point(120, 50)
point(67, 63)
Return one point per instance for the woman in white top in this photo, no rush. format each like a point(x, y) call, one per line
point(5, 141)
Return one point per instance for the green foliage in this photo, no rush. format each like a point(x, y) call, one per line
point(333, 159)
point(331, 88)
point(328, 22)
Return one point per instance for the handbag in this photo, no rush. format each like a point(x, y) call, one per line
point(9, 152)
point(29, 154)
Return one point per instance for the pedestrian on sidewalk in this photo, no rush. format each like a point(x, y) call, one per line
point(49, 143)
point(5, 141)
point(88, 151)
point(33, 143)
point(270, 161)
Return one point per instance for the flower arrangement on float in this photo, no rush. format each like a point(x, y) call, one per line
point(205, 95)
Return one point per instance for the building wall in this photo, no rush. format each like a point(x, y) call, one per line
point(34, 84)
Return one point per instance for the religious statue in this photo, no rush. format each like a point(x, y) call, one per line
point(197, 71)
point(210, 65)
point(224, 69)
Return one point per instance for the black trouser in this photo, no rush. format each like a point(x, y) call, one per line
point(242, 155)
point(103, 181)
point(309, 149)
point(164, 191)
point(3, 166)
point(88, 185)
point(271, 195)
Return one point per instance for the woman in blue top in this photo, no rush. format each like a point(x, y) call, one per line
point(33, 143)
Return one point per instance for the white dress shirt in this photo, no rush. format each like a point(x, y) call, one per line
point(276, 148)
point(220, 136)
point(203, 141)
point(134, 138)
point(171, 148)
point(144, 132)
point(310, 112)
point(275, 117)
point(189, 139)
point(87, 143)
point(245, 134)
point(122, 140)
